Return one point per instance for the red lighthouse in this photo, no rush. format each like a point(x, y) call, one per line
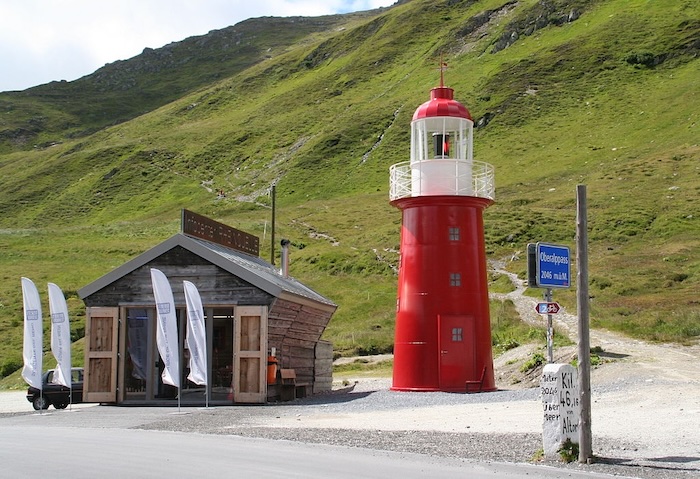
point(443, 335)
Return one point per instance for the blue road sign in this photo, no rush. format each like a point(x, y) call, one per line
point(553, 266)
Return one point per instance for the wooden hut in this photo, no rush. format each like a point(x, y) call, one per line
point(252, 310)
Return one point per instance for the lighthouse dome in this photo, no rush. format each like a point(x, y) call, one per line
point(442, 103)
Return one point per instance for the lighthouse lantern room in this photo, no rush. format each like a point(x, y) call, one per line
point(442, 335)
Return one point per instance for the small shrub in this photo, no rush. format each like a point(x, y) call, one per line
point(500, 283)
point(568, 451)
point(678, 277)
point(600, 283)
point(535, 361)
point(538, 455)
point(9, 366)
point(595, 359)
point(641, 58)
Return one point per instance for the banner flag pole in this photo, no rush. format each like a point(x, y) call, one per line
point(167, 334)
point(196, 338)
point(32, 351)
point(60, 337)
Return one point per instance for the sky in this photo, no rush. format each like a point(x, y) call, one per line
point(52, 40)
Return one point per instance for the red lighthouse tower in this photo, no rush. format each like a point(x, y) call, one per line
point(443, 335)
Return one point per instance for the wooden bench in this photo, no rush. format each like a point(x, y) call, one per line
point(291, 389)
point(288, 384)
point(479, 383)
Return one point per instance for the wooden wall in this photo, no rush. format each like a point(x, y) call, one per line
point(295, 329)
point(215, 285)
point(323, 367)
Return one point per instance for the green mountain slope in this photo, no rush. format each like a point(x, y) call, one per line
point(119, 91)
point(601, 92)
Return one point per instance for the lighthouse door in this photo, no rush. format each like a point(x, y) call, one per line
point(457, 351)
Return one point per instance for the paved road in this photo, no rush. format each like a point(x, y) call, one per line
point(16, 401)
point(39, 452)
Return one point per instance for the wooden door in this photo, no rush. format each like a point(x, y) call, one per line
point(100, 381)
point(250, 354)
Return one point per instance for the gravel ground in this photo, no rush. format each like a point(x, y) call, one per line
point(503, 426)
point(371, 416)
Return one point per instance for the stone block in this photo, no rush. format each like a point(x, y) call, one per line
point(561, 405)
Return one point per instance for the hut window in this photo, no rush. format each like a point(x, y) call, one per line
point(457, 335)
point(455, 279)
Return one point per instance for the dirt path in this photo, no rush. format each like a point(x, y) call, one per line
point(624, 356)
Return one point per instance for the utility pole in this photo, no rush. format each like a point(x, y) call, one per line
point(585, 453)
point(273, 193)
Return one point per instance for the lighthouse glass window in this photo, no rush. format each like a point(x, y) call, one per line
point(441, 138)
point(455, 279)
point(454, 234)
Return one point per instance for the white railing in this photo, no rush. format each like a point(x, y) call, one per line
point(440, 177)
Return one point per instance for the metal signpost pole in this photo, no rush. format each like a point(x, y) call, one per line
point(550, 328)
point(553, 271)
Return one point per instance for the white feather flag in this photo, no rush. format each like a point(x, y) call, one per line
point(166, 337)
point(196, 335)
point(33, 334)
point(60, 335)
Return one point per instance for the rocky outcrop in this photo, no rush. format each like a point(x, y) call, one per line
point(544, 13)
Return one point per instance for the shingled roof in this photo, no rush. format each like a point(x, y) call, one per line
point(249, 268)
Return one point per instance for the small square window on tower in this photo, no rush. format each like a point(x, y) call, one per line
point(454, 234)
point(457, 334)
point(455, 279)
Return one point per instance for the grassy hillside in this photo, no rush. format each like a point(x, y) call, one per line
point(600, 92)
point(48, 114)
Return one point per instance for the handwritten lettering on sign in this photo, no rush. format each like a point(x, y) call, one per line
point(560, 402)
